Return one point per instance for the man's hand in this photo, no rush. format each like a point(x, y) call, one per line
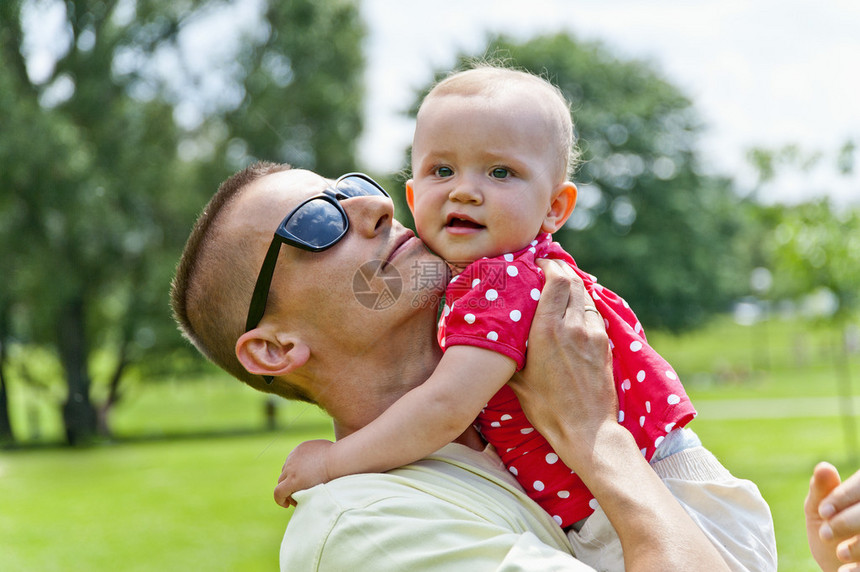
point(832, 511)
point(566, 388)
point(304, 468)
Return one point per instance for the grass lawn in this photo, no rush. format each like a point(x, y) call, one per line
point(188, 485)
point(179, 504)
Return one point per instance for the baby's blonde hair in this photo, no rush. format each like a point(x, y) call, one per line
point(487, 79)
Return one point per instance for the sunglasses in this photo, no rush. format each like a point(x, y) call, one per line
point(315, 225)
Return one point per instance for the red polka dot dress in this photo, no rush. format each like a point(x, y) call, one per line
point(491, 305)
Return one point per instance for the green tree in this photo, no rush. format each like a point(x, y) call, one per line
point(813, 246)
point(102, 170)
point(815, 250)
point(648, 223)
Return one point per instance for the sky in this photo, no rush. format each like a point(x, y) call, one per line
point(761, 73)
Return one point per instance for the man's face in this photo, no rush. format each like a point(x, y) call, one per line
point(352, 295)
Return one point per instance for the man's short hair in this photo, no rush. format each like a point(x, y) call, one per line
point(214, 280)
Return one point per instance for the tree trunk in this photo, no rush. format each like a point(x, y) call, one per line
point(79, 415)
point(6, 435)
point(113, 392)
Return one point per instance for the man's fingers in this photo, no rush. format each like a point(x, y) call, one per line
point(556, 290)
point(849, 550)
point(841, 497)
point(563, 290)
point(825, 478)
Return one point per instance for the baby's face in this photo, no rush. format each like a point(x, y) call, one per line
point(484, 171)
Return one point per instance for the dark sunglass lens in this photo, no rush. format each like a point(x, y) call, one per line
point(355, 186)
point(318, 223)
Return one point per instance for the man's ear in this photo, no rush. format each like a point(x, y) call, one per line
point(264, 353)
point(563, 201)
point(410, 196)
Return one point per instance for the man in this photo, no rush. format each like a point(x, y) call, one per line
point(458, 509)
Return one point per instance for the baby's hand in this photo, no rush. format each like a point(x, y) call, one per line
point(304, 468)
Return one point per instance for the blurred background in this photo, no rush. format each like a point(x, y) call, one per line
point(719, 194)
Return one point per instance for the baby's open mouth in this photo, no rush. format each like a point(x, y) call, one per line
point(463, 223)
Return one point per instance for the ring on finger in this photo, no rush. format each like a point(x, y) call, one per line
point(592, 309)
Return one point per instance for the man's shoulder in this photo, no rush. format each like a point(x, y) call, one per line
point(446, 475)
point(394, 517)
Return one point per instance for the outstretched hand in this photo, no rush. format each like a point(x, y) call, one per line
point(304, 468)
point(832, 511)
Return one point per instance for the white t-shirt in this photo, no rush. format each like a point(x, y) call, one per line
point(459, 509)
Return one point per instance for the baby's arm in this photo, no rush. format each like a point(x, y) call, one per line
point(425, 419)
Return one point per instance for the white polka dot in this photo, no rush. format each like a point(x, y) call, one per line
point(535, 294)
point(491, 295)
point(506, 417)
point(509, 257)
point(640, 377)
point(470, 318)
point(642, 421)
point(611, 345)
point(516, 315)
point(495, 424)
point(513, 470)
point(475, 282)
point(593, 504)
point(669, 426)
point(557, 518)
point(563, 494)
point(492, 336)
point(625, 385)
point(635, 346)
point(527, 430)
point(532, 250)
point(658, 441)
point(673, 399)
point(648, 406)
point(595, 296)
point(442, 343)
point(454, 279)
point(637, 328)
point(446, 310)
point(538, 485)
point(626, 305)
point(534, 242)
point(671, 375)
point(621, 416)
point(551, 458)
point(512, 271)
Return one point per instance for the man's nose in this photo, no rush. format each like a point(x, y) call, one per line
point(369, 215)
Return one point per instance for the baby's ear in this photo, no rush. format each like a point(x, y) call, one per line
point(563, 201)
point(410, 196)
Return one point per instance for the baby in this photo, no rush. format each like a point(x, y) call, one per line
point(490, 161)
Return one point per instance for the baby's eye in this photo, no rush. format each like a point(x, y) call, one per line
point(444, 171)
point(499, 173)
